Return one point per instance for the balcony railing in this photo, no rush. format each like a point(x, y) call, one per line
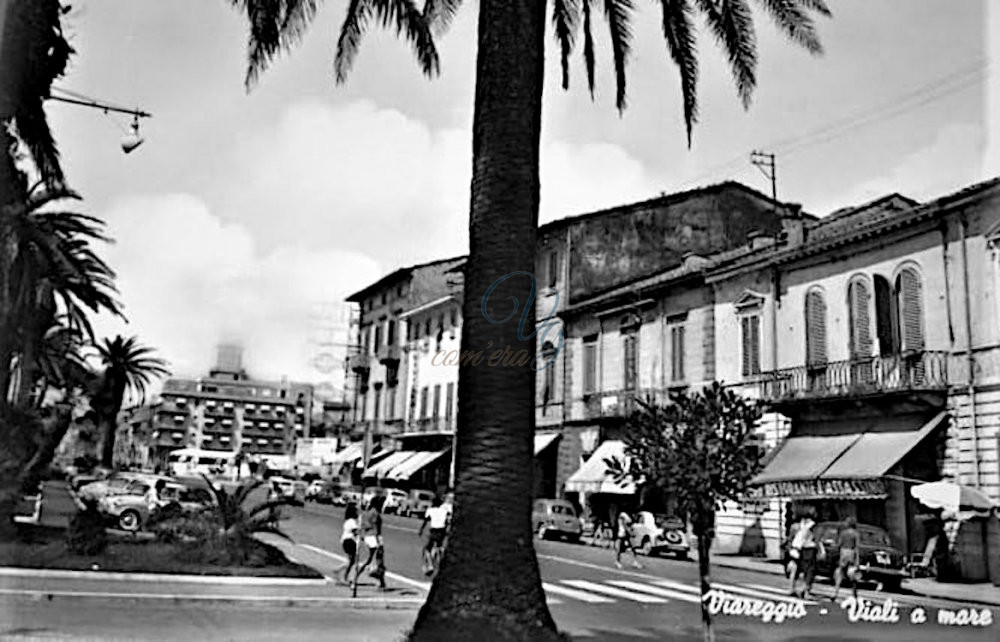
point(389, 355)
point(917, 371)
point(622, 403)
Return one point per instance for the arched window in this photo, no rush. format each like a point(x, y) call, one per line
point(858, 298)
point(910, 305)
point(815, 329)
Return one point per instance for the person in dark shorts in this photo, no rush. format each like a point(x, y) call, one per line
point(848, 541)
point(438, 517)
point(623, 536)
point(349, 539)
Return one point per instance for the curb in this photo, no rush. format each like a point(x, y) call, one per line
point(355, 603)
point(249, 580)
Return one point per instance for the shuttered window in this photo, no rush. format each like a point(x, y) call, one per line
point(677, 353)
point(449, 403)
point(910, 303)
point(590, 365)
point(815, 328)
point(629, 339)
point(750, 330)
point(549, 376)
point(859, 297)
point(437, 402)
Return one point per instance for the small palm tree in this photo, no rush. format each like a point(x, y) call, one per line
point(497, 590)
point(128, 367)
point(237, 522)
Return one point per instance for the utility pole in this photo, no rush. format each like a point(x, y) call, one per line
point(765, 163)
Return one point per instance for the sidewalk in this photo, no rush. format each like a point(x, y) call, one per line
point(980, 593)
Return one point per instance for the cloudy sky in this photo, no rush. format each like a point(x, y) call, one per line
point(250, 217)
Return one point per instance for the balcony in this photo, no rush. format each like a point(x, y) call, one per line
point(915, 372)
point(621, 403)
point(389, 355)
point(359, 363)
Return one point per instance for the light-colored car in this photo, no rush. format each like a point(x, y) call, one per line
point(314, 489)
point(291, 488)
point(657, 534)
point(556, 517)
point(117, 484)
point(417, 503)
point(349, 496)
point(394, 500)
point(129, 511)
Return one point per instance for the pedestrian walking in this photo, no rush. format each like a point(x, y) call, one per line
point(274, 494)
point(371, 531)
point(809, 552)
point(349, 540)
point(624, 540)
point(847, 541)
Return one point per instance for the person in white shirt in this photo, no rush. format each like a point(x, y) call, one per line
point(438, 516)
point(349, 539)
point(152, 496)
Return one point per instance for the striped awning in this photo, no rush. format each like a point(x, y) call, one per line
point(593, 476)
point(415, 463)
point(382, 468)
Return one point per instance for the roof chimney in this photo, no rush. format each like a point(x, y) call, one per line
point(793, 225)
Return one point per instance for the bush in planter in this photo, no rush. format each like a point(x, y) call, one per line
point(238, 523)
point(86, 534)
point(186, 529)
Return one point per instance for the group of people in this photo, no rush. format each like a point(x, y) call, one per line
point(617, 535)
point(364, 527)
point(806, 549)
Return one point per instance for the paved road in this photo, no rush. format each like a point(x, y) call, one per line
point(590, 598)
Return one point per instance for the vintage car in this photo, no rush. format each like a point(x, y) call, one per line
point(556, 517)
point(394, 499)
point(130, 512)
point(292, 489)
point(118, 484)
point(659, 534)
point(314, 490)
point(881, 562)
point(417, 503)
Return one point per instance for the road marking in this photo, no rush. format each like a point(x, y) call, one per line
point(655, 590)
point(583, 596)
point(729, 588)
point(172, 578)
point(424, 586)
point(45, 593)
point(614, 592)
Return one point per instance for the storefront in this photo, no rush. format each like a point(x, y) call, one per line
point(593, 488)
point(860, 469)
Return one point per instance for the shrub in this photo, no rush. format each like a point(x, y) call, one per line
point(86, 534)
point(186, 529)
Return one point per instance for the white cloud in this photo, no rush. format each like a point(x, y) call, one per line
point(190, 281)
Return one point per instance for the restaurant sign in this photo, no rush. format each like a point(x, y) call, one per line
point(823, 488)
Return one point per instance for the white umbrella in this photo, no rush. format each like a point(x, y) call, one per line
point(960, 500)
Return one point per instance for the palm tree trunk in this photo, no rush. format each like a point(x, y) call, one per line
point(488, 584)
point(108, 421)
point(705, 532)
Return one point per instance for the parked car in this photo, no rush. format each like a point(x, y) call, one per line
point(556, 517)
point(314, 489)
point(349, 496)
point(129, 511)
point(881, 562)
point(394, 499)
point(658, 534)
point(116, 484)
point(417, 503)
point(291, 488)
point(76, 482)
point(329, 493)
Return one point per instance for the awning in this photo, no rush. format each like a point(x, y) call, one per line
point(593, 476)
point(415, 463)
point(543, 440)
point(847, 466)
point(385, 465)
point(353, 452)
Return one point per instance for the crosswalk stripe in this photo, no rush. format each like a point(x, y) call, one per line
point(769, 589)
point(655, 590)
point(573, 593)
point(615, 592)
point(677, 586)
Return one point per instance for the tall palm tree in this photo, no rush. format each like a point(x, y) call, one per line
point(488, 584)
point(128, 367)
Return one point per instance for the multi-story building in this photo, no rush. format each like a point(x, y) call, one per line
point(377, 361)
point(132, 440)
point(229, 410)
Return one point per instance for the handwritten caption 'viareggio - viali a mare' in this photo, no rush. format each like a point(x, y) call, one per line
point(887, 611)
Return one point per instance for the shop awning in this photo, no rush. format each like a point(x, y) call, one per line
point(543, 440)
point(385, 465)
point(352, 453)
point(593, 476)
point(848, 466)
point(414, 464)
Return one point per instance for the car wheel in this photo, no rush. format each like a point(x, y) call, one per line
point(892, 584)
point(542, 531)
point(130, 521)
point(682, 555)
point(646, 548)
point(573, 538)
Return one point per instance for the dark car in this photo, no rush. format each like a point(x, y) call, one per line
point(881, 562)
point(556, 517)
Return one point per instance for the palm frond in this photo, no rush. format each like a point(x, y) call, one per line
point(440, 13)
point(408, 21)
point(275, 26)
point(792, 18)
point(565, 14)
point(619, 15)
point(588, 47)
point(732, 23)
point(679, 33)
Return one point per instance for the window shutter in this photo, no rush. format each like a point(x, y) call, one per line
point(745, 322)
point(815, 329)
point(911, 312)
point(861, 338)
point(755, 345)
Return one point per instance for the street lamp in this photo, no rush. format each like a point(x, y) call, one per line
point(131, 139)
